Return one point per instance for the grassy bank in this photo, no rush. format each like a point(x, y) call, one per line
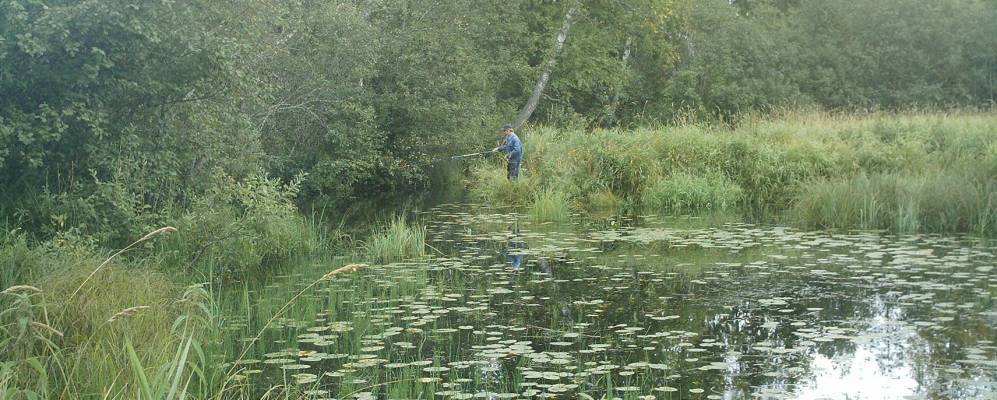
point(912, 172)
point(159, 319)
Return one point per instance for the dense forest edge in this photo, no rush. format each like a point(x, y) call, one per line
point(222, 142)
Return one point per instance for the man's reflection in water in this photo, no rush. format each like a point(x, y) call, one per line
point(514, 251)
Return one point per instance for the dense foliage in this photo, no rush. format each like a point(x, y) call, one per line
point(835, 54)
point(226, 119)
point(116, 115)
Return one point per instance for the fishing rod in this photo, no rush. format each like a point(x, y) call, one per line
point(461, 156)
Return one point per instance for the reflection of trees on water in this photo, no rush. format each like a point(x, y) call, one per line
point(725, 302)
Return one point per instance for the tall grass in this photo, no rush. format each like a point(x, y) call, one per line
point(773, 166)
point(490, 185)
point(75, 323)
point(396, 241)
point(550, 206)
point(684, 193)
point(100, 328)
point(17, 259)
point(932, 201)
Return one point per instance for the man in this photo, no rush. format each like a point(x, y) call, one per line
point(513, 149)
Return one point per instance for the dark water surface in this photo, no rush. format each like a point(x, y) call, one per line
point(644, 308)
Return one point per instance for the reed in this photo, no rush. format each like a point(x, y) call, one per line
point(685, 193)
point(942, 200)
point(550, 206)
point(396, 241)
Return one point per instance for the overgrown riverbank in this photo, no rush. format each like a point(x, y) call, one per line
point(908, 173)
point(162, 316)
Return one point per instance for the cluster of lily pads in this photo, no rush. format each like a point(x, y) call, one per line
point(634, 308)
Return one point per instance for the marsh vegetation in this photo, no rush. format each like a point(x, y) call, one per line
point(917, 172)
point(215, 199)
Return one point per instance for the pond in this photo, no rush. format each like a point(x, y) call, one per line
point(640, 307)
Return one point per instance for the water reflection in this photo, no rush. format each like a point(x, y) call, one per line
point(514, 250)
point(880, 366)
point(641, 309)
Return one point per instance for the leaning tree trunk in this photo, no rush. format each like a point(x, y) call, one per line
point(538, 89)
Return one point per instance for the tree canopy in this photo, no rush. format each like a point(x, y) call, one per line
point(115, 113)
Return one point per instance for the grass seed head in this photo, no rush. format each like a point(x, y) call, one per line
point(343, 270)
point(128, 312)
point(21, 288)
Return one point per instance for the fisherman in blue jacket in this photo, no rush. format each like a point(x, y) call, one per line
point(513, 148)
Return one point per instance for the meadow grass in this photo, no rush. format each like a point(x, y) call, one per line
point(815, 167)
point(99, 328)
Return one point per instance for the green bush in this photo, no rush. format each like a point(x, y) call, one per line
point(684, 192)
point(237, 229)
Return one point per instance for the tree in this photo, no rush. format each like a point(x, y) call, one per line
point(549, 63)
point(89, 95)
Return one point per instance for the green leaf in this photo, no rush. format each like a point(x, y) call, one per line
point(179, 368)
point(138, 371)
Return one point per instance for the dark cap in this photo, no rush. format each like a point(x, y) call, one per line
point(506, 126)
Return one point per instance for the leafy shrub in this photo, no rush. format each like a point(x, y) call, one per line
point(239, 228)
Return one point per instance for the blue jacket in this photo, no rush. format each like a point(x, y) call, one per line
point(512, 146)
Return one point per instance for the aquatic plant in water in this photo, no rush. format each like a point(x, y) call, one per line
point(642, 307)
